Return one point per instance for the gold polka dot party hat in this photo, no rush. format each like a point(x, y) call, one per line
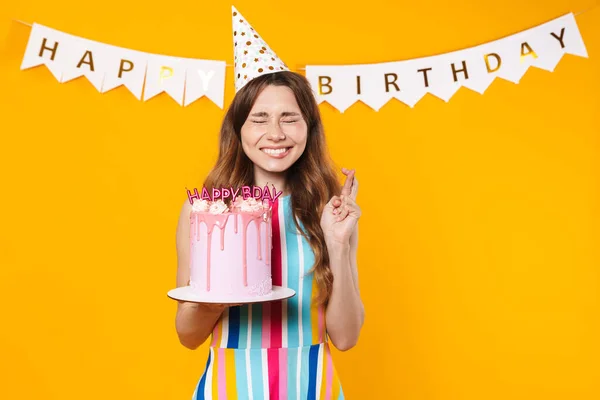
point(252, 55)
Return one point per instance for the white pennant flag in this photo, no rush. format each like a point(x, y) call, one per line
point(124, 67)
point(165, 74)
point(443, 75)
point(48, 47)
point(86, 58)
point(205, 78)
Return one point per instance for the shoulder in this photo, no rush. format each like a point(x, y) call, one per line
point(186, 207)
point(183, 223)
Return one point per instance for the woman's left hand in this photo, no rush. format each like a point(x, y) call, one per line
point(341, 214)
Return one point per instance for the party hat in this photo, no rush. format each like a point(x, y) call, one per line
point(252, 55)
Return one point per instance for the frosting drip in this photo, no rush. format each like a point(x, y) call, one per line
point(220, 220)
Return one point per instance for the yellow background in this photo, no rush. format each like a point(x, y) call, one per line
point(478, 259)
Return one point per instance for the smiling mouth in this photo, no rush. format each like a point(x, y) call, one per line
point(276, 152)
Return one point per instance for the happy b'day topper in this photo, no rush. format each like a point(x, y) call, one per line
point(252, 55)
point(245, 192)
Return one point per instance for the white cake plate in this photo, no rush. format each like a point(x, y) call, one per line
point(185, 293)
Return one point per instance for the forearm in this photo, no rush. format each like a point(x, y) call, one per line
point(345, 311)
point(353, 255)
point(194, 324)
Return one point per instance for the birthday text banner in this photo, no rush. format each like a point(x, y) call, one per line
point(442, 75)
point(107, 67)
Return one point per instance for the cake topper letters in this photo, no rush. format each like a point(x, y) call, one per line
point(223, 193)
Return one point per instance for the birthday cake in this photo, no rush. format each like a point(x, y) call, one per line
point(230, 248)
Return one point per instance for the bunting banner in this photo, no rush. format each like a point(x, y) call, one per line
point(442, 75)
point(186, 80)
point(145, 75)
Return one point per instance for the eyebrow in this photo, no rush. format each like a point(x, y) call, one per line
point(263, 114)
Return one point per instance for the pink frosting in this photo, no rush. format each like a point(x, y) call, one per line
point(231, 258)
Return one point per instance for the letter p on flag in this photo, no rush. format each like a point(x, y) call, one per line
point(165, 73)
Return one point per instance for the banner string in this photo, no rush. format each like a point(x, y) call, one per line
point(21, 22)
point(587, 9)
point(303, 69)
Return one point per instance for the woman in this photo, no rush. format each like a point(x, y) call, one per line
point(272, 134)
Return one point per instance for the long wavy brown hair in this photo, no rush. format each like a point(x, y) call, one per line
point(311, 179)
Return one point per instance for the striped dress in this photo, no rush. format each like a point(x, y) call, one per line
point(276, 350)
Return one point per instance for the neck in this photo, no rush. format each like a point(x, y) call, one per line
point(265, 178)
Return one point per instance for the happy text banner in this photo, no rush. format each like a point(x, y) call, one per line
point(107, 67)
point(442, 75)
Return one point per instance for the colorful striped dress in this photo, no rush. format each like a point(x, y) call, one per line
point(277, 350)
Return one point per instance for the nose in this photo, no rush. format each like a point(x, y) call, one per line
point(274, 131)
